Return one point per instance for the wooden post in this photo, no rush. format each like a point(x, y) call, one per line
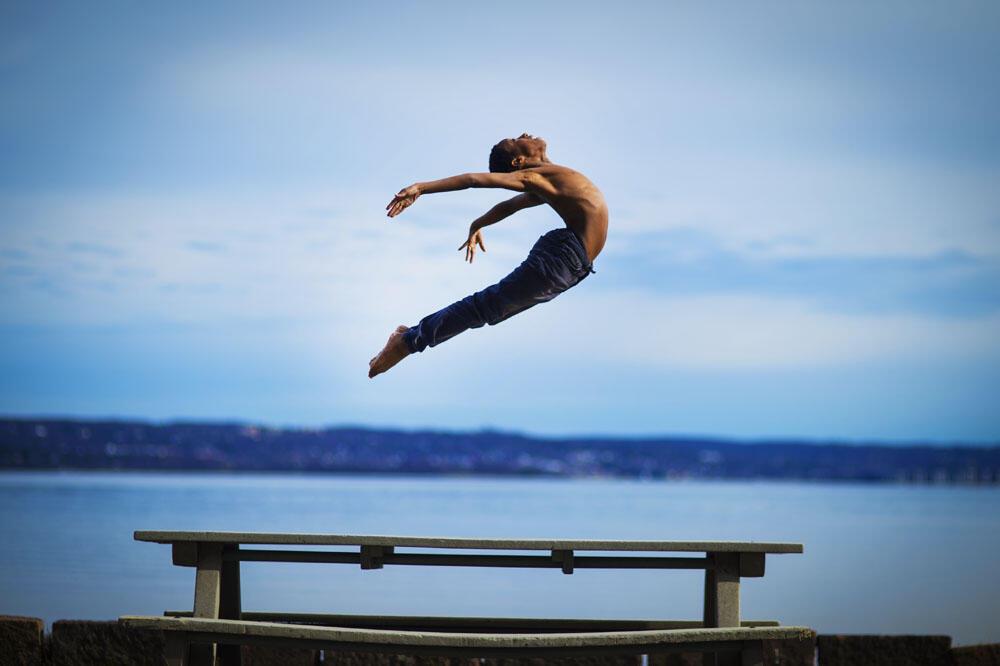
point(207, 597)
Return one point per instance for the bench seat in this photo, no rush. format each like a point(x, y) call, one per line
point(182, 631)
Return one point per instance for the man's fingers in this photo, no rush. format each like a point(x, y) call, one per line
point(479, 240)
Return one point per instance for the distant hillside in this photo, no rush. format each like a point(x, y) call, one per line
point(65, 444)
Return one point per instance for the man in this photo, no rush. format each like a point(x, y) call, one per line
point(559, 260)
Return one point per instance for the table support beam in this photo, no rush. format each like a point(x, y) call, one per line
point(207, 597)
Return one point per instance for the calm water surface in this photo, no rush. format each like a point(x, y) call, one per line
point(878, 559)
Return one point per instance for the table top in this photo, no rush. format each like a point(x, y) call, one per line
point(286, 539)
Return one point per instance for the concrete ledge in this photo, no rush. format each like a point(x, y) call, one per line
point(80, 642)
point(851, 650)
point(385, 639)
point(21, 640)
point(793, 652)
point(976, 655)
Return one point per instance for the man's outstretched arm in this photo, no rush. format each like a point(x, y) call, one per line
point(516, 181)
point(502, 210)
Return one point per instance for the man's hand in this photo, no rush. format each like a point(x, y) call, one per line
point(403, 200)
point(475, 238)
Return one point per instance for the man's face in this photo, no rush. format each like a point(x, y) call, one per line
point(530, 146)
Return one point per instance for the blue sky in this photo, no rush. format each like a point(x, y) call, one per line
point(805, 217)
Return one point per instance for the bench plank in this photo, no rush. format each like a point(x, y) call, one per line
point(271, 538)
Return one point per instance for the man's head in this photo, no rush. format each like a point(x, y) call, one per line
point(513, 154)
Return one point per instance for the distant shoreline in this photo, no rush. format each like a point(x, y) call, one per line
point(89, 445)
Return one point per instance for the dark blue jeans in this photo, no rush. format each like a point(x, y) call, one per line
point(557, 262)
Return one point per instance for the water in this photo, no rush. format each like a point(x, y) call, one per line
point(878, 558)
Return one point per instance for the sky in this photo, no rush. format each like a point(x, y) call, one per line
point(804, 237)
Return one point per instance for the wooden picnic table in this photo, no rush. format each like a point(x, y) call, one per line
point(217, 556)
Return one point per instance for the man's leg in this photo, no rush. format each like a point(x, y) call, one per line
point(540, 278)
point(522, 289)
point(517, 292)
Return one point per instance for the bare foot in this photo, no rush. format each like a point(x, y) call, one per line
point(395, 350)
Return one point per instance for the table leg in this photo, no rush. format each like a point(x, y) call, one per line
point(229, 604)
point(722, 590)
point(207, 597)
point(722, 600)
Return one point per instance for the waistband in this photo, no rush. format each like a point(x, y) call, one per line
point(568, 237)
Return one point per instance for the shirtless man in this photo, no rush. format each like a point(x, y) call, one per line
point(559, 260)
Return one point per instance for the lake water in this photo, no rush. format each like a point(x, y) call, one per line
point(878, 558)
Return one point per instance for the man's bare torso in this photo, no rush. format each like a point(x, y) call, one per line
point(577, 201)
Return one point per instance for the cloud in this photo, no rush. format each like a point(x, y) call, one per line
point(205, 246)
point(682, 261)
point(681, 297)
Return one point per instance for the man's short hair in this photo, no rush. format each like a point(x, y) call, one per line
point(502, 155)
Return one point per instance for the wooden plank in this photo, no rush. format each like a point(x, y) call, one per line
point(466, 543)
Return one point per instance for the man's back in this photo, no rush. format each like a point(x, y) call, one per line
point(577, 201)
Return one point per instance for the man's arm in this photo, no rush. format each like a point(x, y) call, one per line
point(505, 209)
point(516, 181)
point(502, 210)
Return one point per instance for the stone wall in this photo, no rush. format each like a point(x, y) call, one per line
point(84, 643)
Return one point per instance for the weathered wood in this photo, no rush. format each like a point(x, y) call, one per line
point(451, 542)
